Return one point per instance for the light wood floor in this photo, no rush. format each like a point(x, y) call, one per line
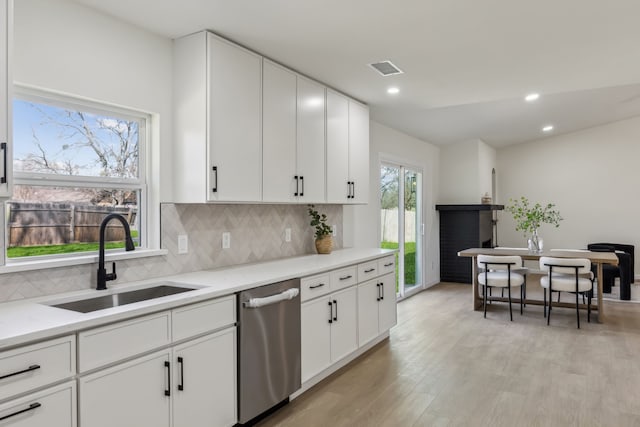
point(445, 365)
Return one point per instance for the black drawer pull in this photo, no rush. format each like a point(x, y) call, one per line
point(319, 285)
point(388, 264)
point(30, 408)
point(346, 277)
point(24, 371)
point(181, 362)
point(167, 391)
point(370, 270)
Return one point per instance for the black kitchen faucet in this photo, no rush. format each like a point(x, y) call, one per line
point(103, 276)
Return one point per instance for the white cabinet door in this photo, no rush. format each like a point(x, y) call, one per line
point(5, 98)
point(136, 393)
point(359, 152)
point(52, 407)
point(310, 157)
point(315, 336)
point(344, 329)
point(368, 301)
point(338, 182)
point(204, 385)
point(278, 134)
point(387, 306)
point(234, 125)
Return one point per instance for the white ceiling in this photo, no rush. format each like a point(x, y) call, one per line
point(468, 63)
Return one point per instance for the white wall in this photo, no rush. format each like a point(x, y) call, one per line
point(68, 48)
point(592, 176)
point(362, 223)
point(465, 172)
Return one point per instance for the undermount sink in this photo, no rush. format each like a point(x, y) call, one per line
point(122, 298)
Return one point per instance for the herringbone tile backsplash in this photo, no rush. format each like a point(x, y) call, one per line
point(257, 234)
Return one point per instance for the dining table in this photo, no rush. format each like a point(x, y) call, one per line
point(597, 258)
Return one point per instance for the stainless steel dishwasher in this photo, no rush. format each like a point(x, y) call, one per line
point(268, 348)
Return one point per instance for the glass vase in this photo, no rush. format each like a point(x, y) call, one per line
point(535, 242)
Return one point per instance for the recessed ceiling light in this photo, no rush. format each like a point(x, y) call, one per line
point(393, 90)
point(547, 128)
point(532, 97)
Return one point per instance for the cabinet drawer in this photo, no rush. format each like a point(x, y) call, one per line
point(368, 270)
point(204, 317)
point(343, 278)
point(100, 346)
point(386, 265)
point(52, 407)
point(314, 286)
point(36, 365)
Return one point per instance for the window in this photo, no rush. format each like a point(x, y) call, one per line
point(74, 163)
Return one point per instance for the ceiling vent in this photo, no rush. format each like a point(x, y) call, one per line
point(386, 68)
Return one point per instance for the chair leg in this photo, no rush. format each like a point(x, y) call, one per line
point(510, 312)
point(524, 291)
point(550, 303)
point(589, 307)
point(485, 291)
point(544, 292)
point(521, 299)
point(558, 296)
point(577, 310)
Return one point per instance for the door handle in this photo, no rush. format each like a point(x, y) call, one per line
point(353, 189)
point(348, 189)
point(302, 181)
point(215, 171)
point(335, 317)
point(378, 286)
point(167, 391)
point(330, 312)
point(181, 385)
point(30, 408)
point(382, 291)
point(297, 185)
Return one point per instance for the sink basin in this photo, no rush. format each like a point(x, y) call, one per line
point(122, 298)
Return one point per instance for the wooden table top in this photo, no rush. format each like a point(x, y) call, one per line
point(595, 257)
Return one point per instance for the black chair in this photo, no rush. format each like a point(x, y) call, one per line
point(624, 270)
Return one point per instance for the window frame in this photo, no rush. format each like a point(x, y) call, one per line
point(140, 184)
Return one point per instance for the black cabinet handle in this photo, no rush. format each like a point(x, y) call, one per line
point(3, 147)
point(330, 312)
point(370, 270)
point(319, 285)
point(167, 365)
point(181, 362)
point(297, 178)
point(346, 277)
point(30, 408)
point(24, 371)
point(335, 317)
point(388, 264)
point(382, 291)
point(353, 189)
point(215, 187)
point(378, 285)
point(302, 181)
point(348, 189)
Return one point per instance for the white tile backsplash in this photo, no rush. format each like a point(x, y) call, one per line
point(257, 234)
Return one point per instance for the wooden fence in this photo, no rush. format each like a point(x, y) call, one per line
point(32, 224)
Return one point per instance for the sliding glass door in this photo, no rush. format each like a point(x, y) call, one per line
point(401, 223)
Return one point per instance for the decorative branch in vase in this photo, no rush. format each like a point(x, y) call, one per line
point(529, 218)
point(323, 232)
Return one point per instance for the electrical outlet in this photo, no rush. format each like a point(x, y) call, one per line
point(334, 230)
point(226, 240)
point(287, 234)
point(183, 244)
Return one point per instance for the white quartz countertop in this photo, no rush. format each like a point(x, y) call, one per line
point(32, 319)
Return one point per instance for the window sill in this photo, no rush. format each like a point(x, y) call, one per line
point(33, 264)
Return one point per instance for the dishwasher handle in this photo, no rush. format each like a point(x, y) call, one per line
point(289, 294)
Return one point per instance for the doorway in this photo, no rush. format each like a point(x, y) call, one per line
point(401, 223)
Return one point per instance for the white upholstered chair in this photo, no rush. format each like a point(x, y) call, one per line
point(499, 272)
point(567, 275)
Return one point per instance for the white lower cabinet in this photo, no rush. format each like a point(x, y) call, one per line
point(205, 381)
point(329, 330)
point(190, 385)
point(52, 407)
point(376, 307)
point(131, 394)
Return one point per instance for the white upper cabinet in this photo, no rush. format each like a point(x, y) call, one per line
point(310, 153)
point(278, 134)
point(218, 121)
point(347, 150)
point(5, 97)
point(293, 137)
